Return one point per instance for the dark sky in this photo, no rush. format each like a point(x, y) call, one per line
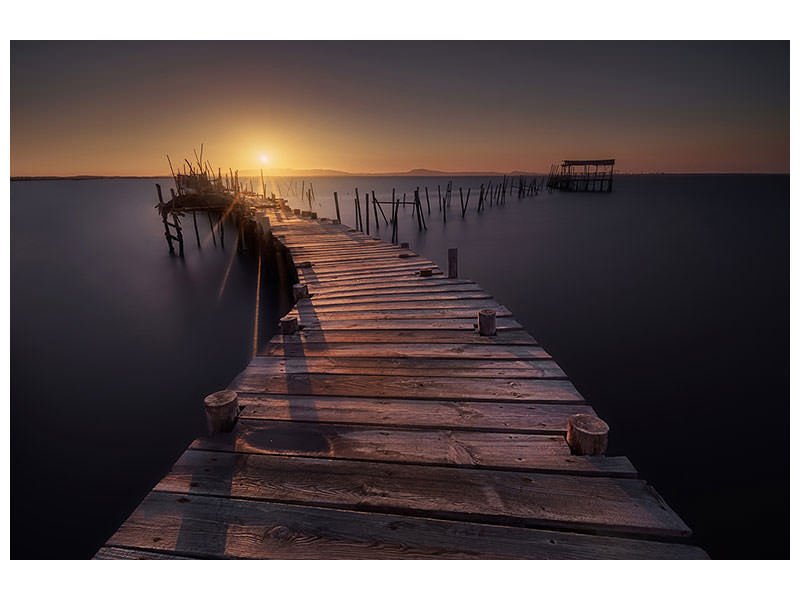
point(118, 107)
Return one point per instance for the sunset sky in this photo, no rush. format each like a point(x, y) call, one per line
point(116, 108)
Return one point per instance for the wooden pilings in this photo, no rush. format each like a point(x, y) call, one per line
point(336, 201)
point(222, 410)
point(587, 435)
point(452, 263)
point(196, 232)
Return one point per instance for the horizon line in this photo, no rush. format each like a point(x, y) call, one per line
point(412, 173)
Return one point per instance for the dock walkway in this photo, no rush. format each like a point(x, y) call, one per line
point(388, 428)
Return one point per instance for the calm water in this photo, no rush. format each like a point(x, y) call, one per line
point(114, 344)
point(666, 302)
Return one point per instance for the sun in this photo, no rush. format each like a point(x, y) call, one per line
point(264, 159)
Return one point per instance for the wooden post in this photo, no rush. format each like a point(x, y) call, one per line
point(375, 211)
point(196, 233)
point(263, 186)
point(427, 199)
point(380, 208)
point(288, 325)
point(168, 235)
point(419, 209)
point(452, 263)
point(222, 410)
point(299, 291)
point(336, 201)
point(221, 229)
point(487, 322)
point(395, 208)
point(211, 226)
point(418, 206)
point(179, 232)
point(587, 435)
point(366, 208)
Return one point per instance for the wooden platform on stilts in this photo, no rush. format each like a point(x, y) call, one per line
point(388, 427)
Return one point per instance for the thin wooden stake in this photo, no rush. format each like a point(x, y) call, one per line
point(196, 233)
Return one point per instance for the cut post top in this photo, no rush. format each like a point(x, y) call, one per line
point(587, 435)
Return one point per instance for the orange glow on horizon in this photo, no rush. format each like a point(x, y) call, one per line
point(317, 106)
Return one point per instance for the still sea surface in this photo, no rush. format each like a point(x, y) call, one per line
point(666, 302)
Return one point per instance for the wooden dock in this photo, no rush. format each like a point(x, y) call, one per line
point(388, 428)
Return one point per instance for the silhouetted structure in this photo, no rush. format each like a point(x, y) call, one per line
point(582, 176)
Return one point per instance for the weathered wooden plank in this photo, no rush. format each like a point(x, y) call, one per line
point(417, 386)
point(390, 298)
point(396, 284)
point(588, 504)
point(221, 527)
point(114, 553)
point(319, 314)
point(454, 324)
point(408, 292)
point(393, 350)
point(337, 256)
point(400, 304)
point(399, 412)
point(368, 265)
point(435, 367)
point(411, 278)
point(460, 340)
point(514, 451)
point(366, 273)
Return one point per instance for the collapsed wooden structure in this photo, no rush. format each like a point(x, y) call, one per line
point(582, 176)
point(199, 189)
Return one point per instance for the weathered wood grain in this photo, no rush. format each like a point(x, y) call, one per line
point(397, 386)
point(428, 367)
point(399, 412)
point(443, 298)
point(226, 528)
point(310, 322)
point(396, 285)
point(514, 451)
point(381, 314)
point(402, 304)
point(459, 339)
point(387, 349)
point(367, 266)
point(505, 497)
point(114, 553)
point(406, 293)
